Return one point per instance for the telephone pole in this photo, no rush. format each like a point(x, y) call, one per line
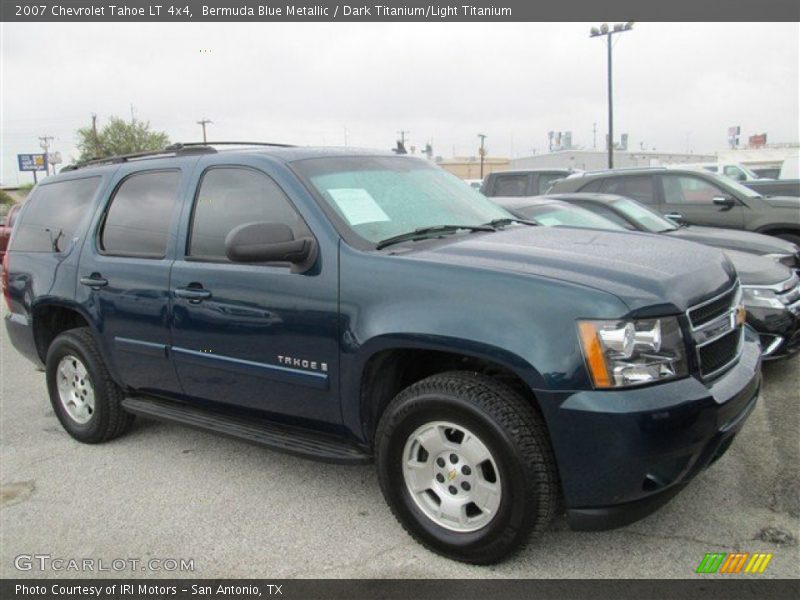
point(597, 32)
point(203, 122)
point(44, 144)
point(482, 150)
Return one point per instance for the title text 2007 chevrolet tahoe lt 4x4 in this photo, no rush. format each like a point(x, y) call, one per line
point(357, 306)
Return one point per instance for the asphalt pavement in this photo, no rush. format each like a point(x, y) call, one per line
point(230, 509)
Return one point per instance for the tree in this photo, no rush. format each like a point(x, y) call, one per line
point(119, 137)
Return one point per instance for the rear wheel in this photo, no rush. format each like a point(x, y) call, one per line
point(466, 466)
point(87, 402)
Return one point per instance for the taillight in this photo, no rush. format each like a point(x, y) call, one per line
point(6, 291)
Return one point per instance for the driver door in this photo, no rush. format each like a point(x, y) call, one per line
point(691, 199)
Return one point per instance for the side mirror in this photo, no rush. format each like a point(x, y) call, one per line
point(270, 242)
point(725, 201)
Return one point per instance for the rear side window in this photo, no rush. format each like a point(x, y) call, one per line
point(232, 196)
point(138, 221)
point(510, 185)
point(546, 181)
point(55, 210)
point(639, 187)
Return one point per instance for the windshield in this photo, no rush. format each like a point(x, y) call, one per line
point(644, 217)
point(734, 186)
point(377, 198)
point(552, 215)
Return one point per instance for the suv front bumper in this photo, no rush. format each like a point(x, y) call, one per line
point(624, 453)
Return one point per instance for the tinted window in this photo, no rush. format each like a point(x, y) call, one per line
point(138, 221)
point(593, 186)
point(734, 172)
point(53, 214)
point(685, 189)
point(546, 181)
point(510, 185)
point(638, 187)
point(230, 197)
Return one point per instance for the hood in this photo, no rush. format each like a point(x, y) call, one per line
point(757, 270)
point(783, 201)
point(745, 241)
point(645, 271)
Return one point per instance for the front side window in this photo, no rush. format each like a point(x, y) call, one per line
point(138, 221)
point(638, 187)
point(379, 197)
point(232, 196)
point(53, 215)
point(646, 218)
point(685, 189)
point(734, 173)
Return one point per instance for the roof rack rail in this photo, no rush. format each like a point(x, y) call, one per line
point(176, 149)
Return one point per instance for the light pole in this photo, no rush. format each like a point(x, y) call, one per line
point(608, 32)
point(482, 151)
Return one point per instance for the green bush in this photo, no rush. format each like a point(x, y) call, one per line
point(5, 198)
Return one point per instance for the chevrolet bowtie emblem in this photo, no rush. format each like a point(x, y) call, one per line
point(451, 475)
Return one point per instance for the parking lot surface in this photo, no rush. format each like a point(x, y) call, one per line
point(238, 510)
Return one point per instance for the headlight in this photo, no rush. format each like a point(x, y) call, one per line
point(761, 297)
point(623, 353)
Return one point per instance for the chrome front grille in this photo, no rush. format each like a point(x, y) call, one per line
point(717, 334)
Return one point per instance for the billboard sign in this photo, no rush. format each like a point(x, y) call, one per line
point(32, 162)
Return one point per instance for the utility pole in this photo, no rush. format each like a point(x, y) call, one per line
point(596, 32)
point(403, 133)
point(133, 116)
point(482, 150)
point(44, 144)
point(594, 136)
point(203, 122)
point(95, 139)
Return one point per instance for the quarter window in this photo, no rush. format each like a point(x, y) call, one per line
point(140, 215)
point(685, 189)
point(229, 197)
point(55, 211)
point(510, 185)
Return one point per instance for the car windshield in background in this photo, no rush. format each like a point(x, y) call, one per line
point(381, 197)
point(551, 215)
point(645, 217)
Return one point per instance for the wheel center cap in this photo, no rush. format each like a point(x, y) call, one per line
point(452, 475)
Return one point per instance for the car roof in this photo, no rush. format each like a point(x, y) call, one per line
point(527, 171)
point(280, 152)
point(520, 202)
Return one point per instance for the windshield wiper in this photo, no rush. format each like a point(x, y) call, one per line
point(432, 231)
point(495, 223)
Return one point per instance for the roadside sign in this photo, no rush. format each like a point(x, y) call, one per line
point(32, 162)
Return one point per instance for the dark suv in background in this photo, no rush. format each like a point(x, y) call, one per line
point(695, 197)
point(343, 306)
point(522, 182)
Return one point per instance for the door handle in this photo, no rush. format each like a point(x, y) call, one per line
point(675, 216)
point(193, 294)
point(95, 280)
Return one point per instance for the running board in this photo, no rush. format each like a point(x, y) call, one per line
point(277, 437)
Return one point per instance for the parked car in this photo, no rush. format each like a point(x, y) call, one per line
point(732, 170)
point(767, 172)
point(525, 182)
point(494, 370)
point(771, 290)
point(696, 198)
point(775, 187)
point(6, 225)
point(636, 216)
point(474, 183)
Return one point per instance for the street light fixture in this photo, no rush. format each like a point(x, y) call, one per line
point(604, 30)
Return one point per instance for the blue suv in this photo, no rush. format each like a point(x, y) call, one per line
point(358, 306)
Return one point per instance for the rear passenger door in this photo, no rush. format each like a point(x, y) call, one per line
point(256, 336)
point(123, 278)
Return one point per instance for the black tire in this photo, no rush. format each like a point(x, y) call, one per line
point(108, 420)
point(510, 429)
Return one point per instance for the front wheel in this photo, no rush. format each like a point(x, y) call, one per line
point(465, 464)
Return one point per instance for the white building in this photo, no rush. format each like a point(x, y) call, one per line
point(592, 160)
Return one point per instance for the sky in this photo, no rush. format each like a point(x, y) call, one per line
point(677, 86)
